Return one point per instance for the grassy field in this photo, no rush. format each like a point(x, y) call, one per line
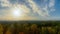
point(29, 27)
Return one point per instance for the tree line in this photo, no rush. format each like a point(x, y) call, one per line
point(30, 28)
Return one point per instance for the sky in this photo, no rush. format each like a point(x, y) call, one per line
point(30, 10)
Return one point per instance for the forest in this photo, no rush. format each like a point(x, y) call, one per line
point(30, 27)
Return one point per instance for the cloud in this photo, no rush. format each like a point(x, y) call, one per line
point(28, 7)
point(5, 3)
point(31, 3)
point(37, 9)
point(47, 6)
point(51, 5)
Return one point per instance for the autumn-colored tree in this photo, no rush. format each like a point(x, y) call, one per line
point(44, 30)
point(1, 29)
point(21, 32)
point(34, 28)
point(26, 28)
point(51, 30)
point(8, 32)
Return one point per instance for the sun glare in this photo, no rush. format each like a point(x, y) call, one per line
point(17, 12)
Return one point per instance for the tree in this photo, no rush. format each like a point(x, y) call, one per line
point(34, 28)
point(8, 32)
point(1, 29)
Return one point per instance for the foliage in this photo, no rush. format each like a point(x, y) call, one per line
point(30, 28)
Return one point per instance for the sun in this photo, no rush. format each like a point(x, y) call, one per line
point(16, 12)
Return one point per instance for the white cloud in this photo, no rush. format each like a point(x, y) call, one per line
point(42, 11)
point(5, 3)
point(32, 4)
point(51, 5)
point(47, 7)
point(37, 9)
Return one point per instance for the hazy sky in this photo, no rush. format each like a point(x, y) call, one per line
point(29, 9)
